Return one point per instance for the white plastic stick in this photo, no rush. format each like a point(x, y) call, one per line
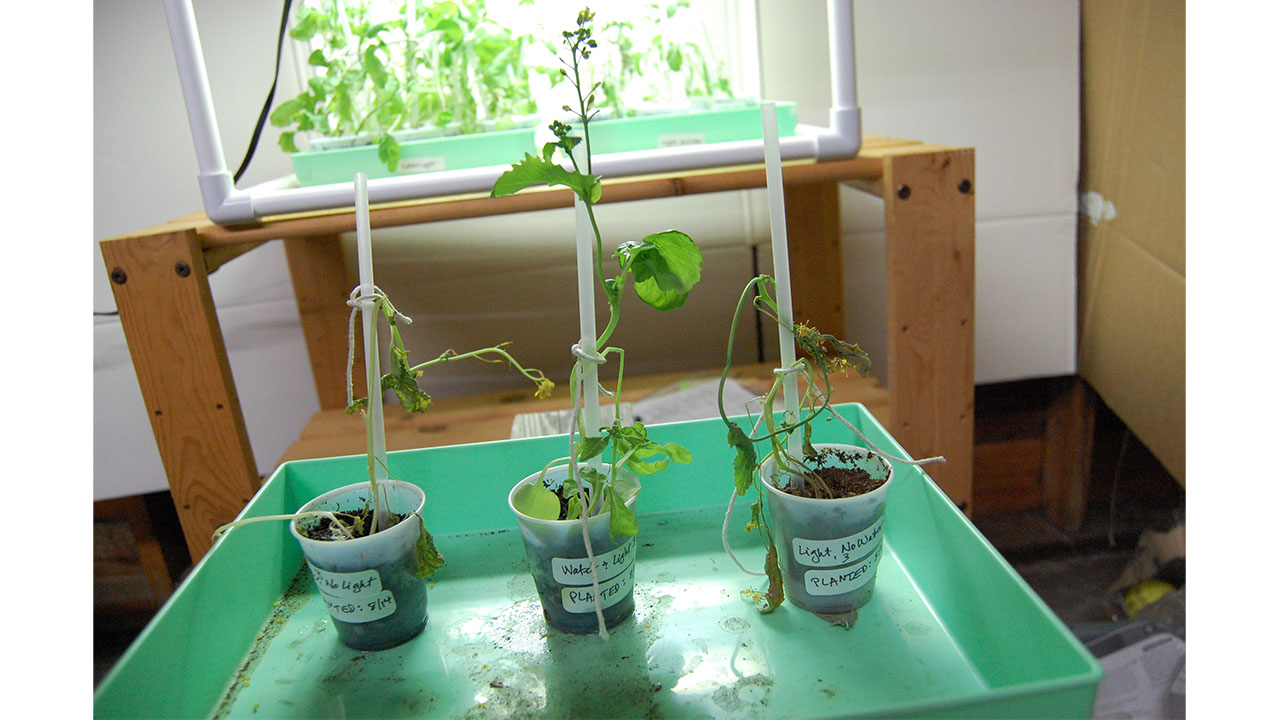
point(375, 434)
point(587, 318)
point(781, 268)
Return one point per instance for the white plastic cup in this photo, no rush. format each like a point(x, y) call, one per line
point(562, 573)
point(370, 584)
point(829, 549)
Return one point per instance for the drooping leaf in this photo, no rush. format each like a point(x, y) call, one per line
point(678, 453)
point(622, 521)
point(428, 557)
point(403, 381)
point(774, 597)
point(287, 143)
point(744, 463)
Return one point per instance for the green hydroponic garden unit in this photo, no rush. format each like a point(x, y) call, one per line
point(951, 630)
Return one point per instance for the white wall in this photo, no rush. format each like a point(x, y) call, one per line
point(144, 174)
point(999, 75)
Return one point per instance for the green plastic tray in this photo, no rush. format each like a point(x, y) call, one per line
point(951, 631)
point(459, 152)
point(454, 152)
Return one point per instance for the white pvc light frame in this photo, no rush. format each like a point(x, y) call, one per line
point(227, 205)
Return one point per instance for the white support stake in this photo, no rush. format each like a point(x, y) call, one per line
point(587, 318)
point(375, 433)
point(781, 268)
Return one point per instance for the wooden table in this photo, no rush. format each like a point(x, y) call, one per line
point(160, 281)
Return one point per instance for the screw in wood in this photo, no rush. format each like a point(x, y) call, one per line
point(904, 191)
point(182, 269)
point(117, 276)
point(965, 186)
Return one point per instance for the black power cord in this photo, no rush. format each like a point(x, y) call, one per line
point(266, 108)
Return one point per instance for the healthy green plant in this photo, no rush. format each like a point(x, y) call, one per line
point(663, 268)
point(448, 65)
point(437, 64)
point(821, 354)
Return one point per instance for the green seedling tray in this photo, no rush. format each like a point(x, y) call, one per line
point(951, 630)
point(452, 152)
point(648, 132)
point(460, 152)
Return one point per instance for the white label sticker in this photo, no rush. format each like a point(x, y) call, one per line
point(681, 139)
point(433, 163)
point(582, 599)
point(837, 552)
point(842, 580)
point(577, 571)
point(343, 585)
point(361, 610)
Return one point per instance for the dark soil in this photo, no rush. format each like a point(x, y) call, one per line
point(358, 521)
point(833, 467)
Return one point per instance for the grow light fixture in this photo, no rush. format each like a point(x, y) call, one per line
point(226, 204)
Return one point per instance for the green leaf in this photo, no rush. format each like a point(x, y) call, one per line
point(678, 453)
point(537, 501)
point(317, 58)
point(286, 142)
point(744, 463)
point(622, 521)
point(428, 558)
point(666, 266)
point(452, 31)
point(589, 447)
point(540, 171)
point(309, 23)
point(374, 67)
point(389, 152)
point(284, 114)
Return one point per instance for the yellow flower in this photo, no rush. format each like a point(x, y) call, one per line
point(545, 387)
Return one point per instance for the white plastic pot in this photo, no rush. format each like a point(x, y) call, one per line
point(829, 549)
point(370, 584)
point(562, 572)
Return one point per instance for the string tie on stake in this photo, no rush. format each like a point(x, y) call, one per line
point(595, 359)
point(788, 371)
point(356, 300)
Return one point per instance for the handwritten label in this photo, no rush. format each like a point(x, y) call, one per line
point(354, 597)
point(837, 552)
point(433, 163)
point(347, 584)
point(362, 610)
point(577, 571)
point(841, 580)
point(681, 139)
point(582, 599)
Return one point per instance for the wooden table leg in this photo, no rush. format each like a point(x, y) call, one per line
point(929, 223)
point(320, 287)
point(161, 289)
point(813, 247)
